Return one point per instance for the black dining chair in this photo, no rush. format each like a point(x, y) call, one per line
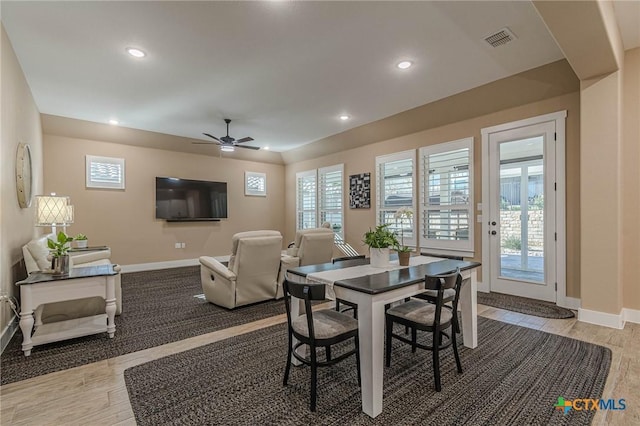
point(431, 295)
point(425, 316)
point(350, 305)
point(322, 328)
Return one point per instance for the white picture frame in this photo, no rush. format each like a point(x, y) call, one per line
point(255, 184)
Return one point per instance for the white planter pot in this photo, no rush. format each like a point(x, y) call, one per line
point(81, 243)
point(379, 257)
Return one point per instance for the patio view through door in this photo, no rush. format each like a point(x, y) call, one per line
point(522, 211)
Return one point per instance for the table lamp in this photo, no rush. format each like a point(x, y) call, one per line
point(52, 210)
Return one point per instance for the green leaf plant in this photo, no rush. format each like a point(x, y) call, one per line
point(60, 247)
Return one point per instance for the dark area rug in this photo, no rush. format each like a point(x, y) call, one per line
point(158, 307)
point(515, 376)
point(524, 305)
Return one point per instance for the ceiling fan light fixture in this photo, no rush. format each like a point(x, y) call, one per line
point(135, 52)
point(227, 148)
point(404, 65)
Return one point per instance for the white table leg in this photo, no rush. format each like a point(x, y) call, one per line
point(469, 309)
point(371, 334)
point(110, 307)
point(26, 320)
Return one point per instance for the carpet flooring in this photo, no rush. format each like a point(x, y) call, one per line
point(158, 307)
point(514, 376)
point(524, 305)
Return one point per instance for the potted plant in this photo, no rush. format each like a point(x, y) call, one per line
point(402, 215)
point(379, 241)
point(59, 253)
point(81, 241)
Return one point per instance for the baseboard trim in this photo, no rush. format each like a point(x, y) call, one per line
point(601, 318)
point(569, 303)
point(140, 267)
point(631, 315)
point(8, 333)
point(484, 288)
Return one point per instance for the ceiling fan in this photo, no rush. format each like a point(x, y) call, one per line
point(227, 143)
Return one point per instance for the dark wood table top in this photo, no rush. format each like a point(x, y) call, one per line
point(81, 272)
point(387, 280)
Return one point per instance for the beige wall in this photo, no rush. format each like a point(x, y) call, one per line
point(125, 219)
point(631, 179)
point(362, 159)
point(20, 122)
point(600, 185)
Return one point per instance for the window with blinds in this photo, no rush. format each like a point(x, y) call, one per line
point(330, 197)
point(394, 194)
point(306, 200)
point(319, 198)
point(104, 172)
point(446, 189)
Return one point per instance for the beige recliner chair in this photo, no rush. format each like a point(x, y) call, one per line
point(252, 275)
point(36, 254)
point(311, 247)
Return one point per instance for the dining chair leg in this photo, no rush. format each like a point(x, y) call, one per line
point(357, 342)
point(455, 351)
point(387, 334)
point(436, 358)
point(414, 339)
point(327, 350)
point(314, 378)
point(288, 366)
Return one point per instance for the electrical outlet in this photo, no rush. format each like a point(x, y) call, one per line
point(177, 245)
point(184, 245)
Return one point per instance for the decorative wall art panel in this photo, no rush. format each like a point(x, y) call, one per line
point(360, 191)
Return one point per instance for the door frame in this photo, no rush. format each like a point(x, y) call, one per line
point(559, 119)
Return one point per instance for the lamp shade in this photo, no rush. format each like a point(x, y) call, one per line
point(52, 210)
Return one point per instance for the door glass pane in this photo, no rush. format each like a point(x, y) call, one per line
point(522, 210)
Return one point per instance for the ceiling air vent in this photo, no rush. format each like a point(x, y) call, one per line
point(500, 38)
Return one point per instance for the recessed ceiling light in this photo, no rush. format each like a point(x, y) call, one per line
point(344, 117)
point(114, 122)
point(137, 53)
point(227, 148)
point(266, 148)
point(404, 65)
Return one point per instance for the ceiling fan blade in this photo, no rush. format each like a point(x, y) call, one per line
point(212, 137)
point(247, 146)
point(207, 143)
point(247, 139)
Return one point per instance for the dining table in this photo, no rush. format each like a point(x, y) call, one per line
point(371, 288)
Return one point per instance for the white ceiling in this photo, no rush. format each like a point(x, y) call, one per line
point(283, 71)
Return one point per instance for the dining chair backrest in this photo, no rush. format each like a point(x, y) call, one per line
point(345, 258)
point(440, 283)
point(307, 293)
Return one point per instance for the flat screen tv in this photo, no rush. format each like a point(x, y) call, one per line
point(190, 200)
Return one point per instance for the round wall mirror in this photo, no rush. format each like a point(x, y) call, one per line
point(23, 175)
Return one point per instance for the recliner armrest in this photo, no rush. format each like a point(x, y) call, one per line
point(217, 267)
point(80, 258)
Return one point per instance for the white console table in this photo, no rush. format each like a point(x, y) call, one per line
point(40, 288)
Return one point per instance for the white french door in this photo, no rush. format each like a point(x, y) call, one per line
point(521, 210)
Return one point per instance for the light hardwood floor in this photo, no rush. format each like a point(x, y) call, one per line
point(96, 394)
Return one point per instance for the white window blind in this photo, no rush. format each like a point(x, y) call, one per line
point(104, 172)
point(306, 200)
point(330, 195)
point(446, 192)
point(320, 198)
point(395, 191)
